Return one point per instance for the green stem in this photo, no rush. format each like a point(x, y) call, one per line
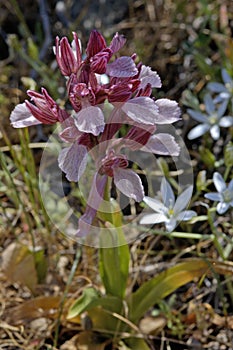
point(211, 216)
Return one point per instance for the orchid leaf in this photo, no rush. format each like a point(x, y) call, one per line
point(135, 344)
point(88, 299)
point(162, 285)
point(114, 261)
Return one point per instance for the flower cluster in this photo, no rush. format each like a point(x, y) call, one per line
point(224, 194)
point(212, 120)
point(87, 129)
point(167, 209)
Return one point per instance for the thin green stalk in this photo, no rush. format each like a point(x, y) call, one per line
point(211, 215)
point(20, 202)
point(69, 281)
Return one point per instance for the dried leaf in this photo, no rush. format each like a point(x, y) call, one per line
point(45, 306)
point(19, 266)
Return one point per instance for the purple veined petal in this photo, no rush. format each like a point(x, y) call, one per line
point(219, 182)
point(171, 224)
point(213, 196)
point(215, 132)
point(198, 116)
point(21, 117)
point(186, 215)
point(150, 219)
point(226, 77)
point(155, 204)
point(90, 120)
point(142, 110)
point(222, 207)
point(222, 108)
point(216, 87)
point(198, 131)
point(167, 194)
point(163, 144)
point(129, 183)
point(118, 41)
point(122, 67)
point(72, 161)
point(183, 199)
point(93, 203)
point(147, 76)
point(226, 121)
point(209, 104)
point(169, 111)
point(70, 134)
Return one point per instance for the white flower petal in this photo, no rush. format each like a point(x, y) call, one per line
point(21, 117)
point(183, 199)
point(219, 182)
point(72, 161)
point(215, 132)
point(226, 77)
point(209, 104)
point(222, 108)
point(226, 121)
point(216, 87)
point(122, 67)
point(198, 131)
point(198, 116)
point(213, 196)
point(90, 120)
point(222, 207)
point(186, 215)
point(155, 204)
point(129, 183)
point(167, 194)
point(150, 219)
point(142, 110)
point(171, 224)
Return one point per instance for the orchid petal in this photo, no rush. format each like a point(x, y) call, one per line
point(183, 200)
point(90, 120)
point(147, 76)
point(198, 131)
point(155, 204)
point(150, 219)
point(167, 194)
point(142, 110)
point(164, 144)
point(117, 43)
point(219, 182)
point(129, 183)
point(21, 117)
point(169, 111)
point(122, 67)
point(72, 161)
point(93, 203)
